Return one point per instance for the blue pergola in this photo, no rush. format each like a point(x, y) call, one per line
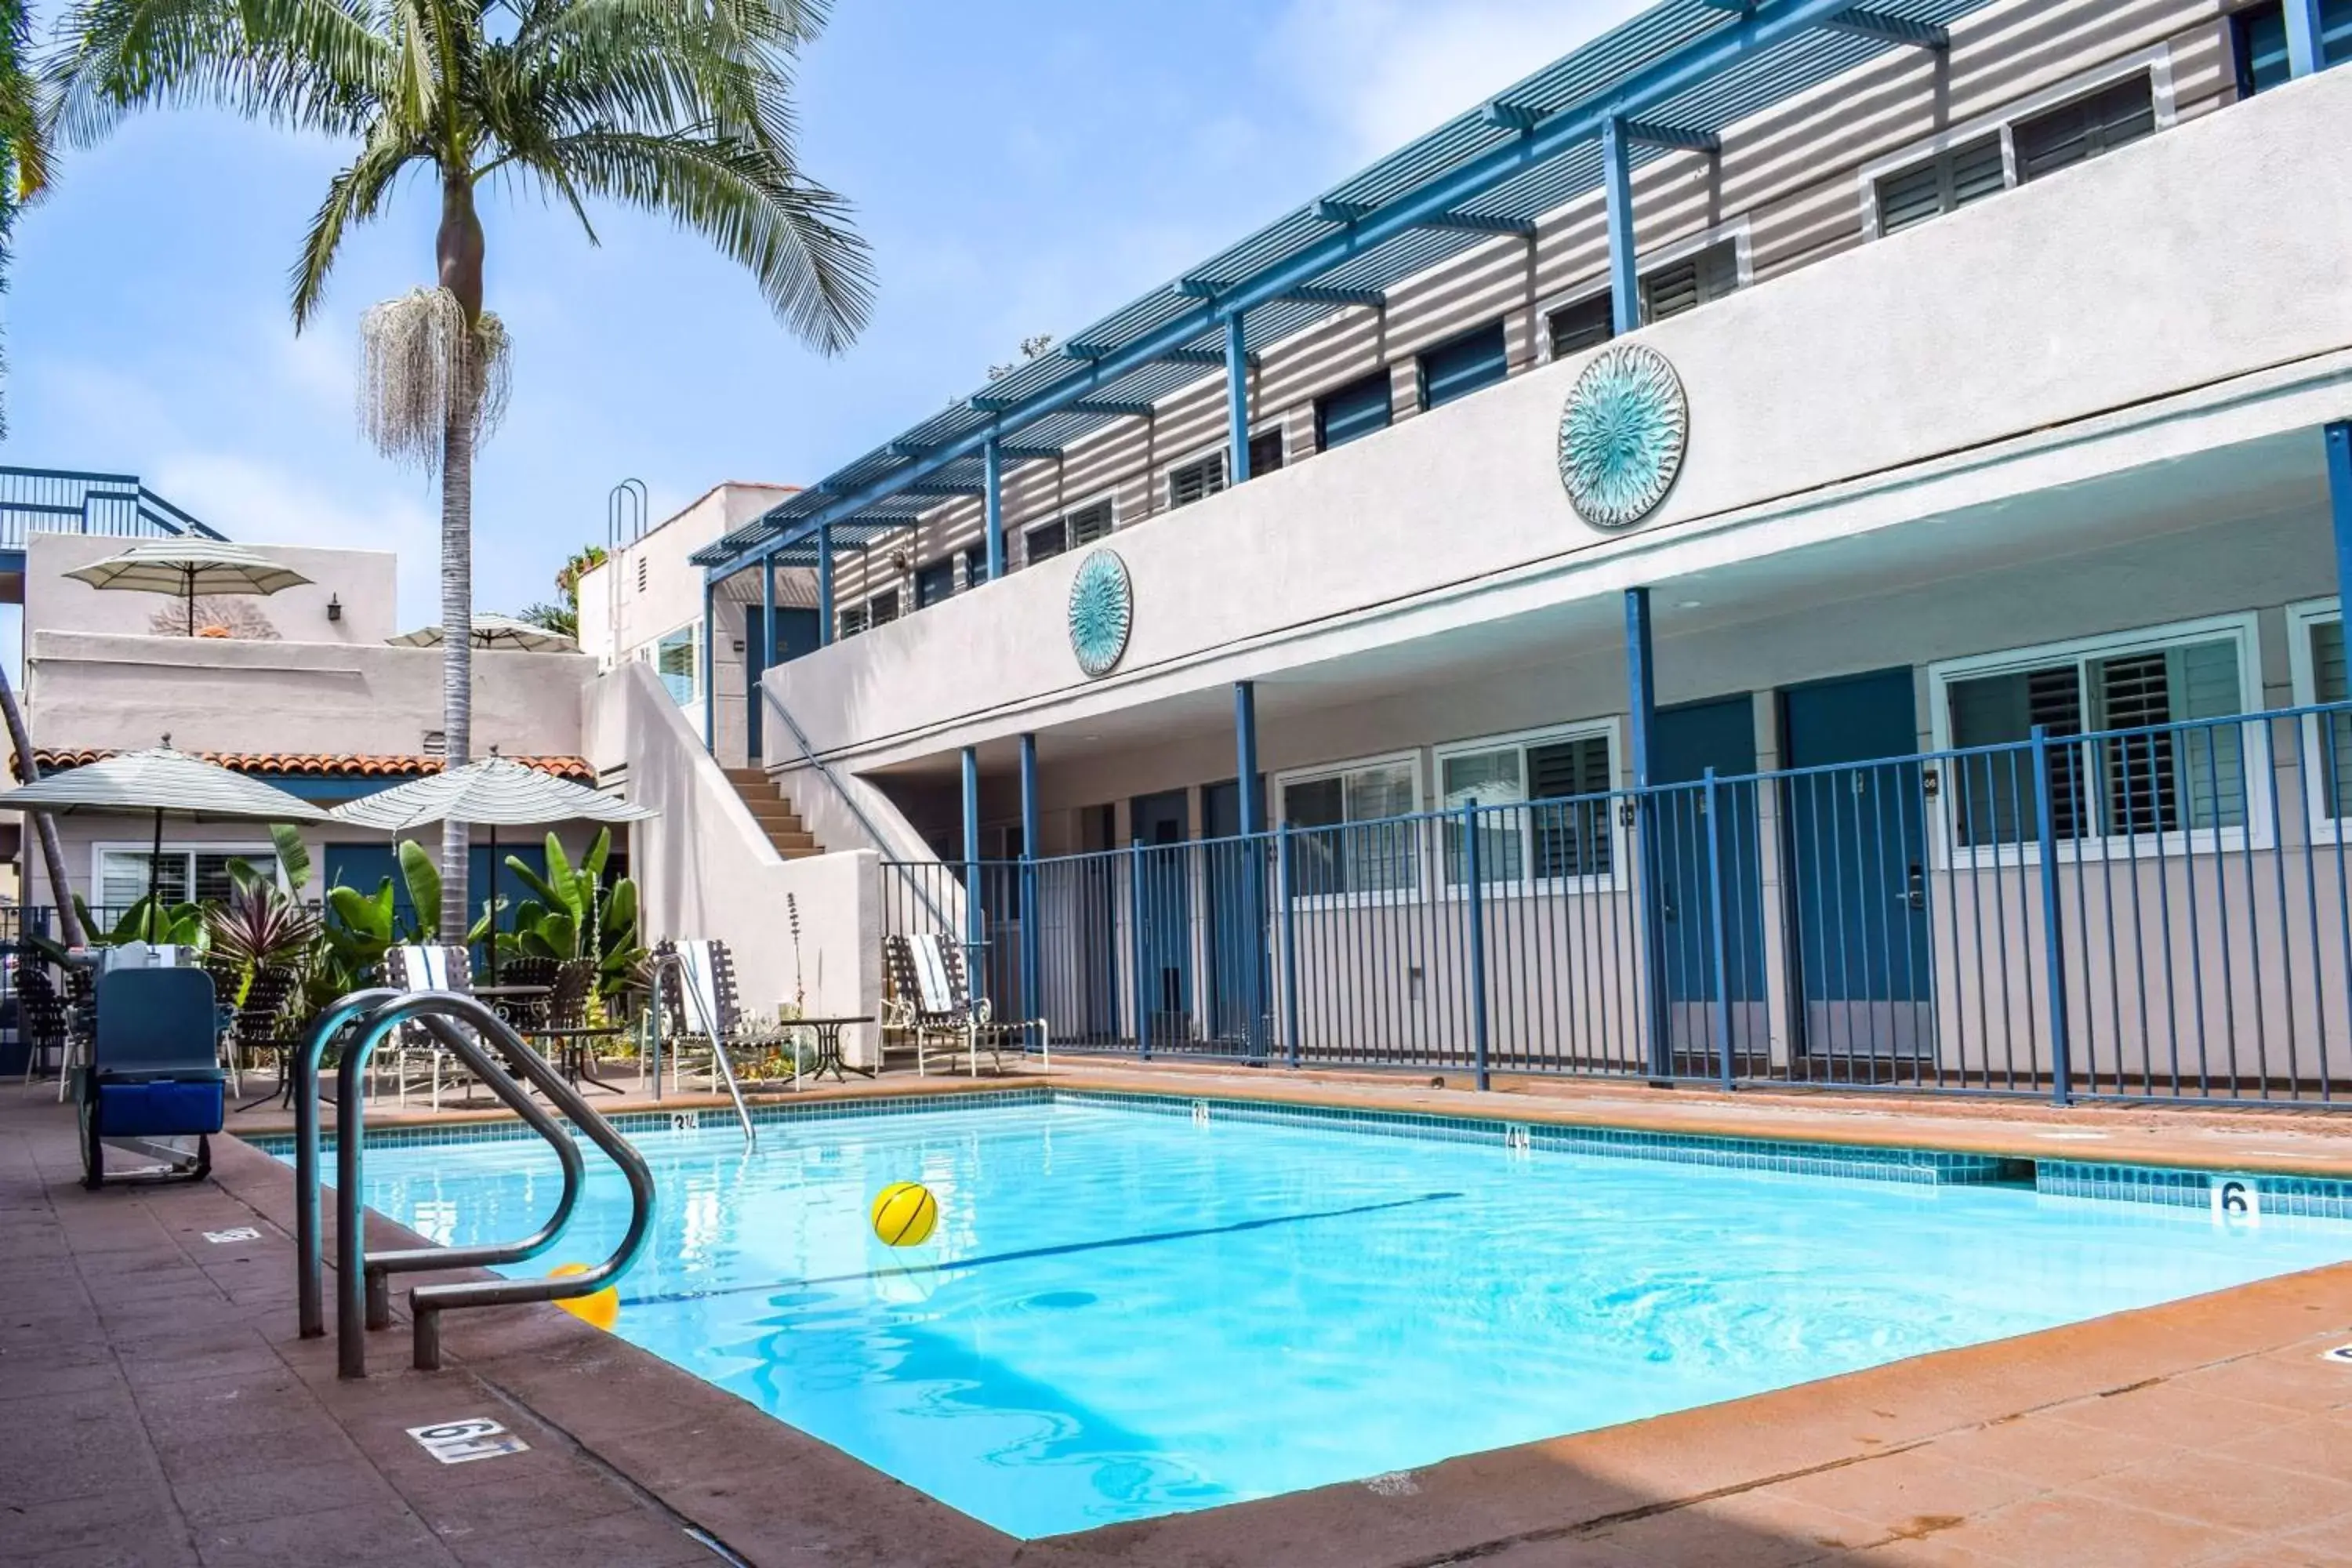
point(1665, 83)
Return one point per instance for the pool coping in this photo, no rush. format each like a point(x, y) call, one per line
point(772, 1494)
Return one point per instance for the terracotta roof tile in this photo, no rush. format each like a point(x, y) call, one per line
point(313, 765)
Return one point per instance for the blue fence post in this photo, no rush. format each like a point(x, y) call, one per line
point(975, 905)
point(2054, 936)
point(1473, 893)
point(1140, 944)
point(1712, 806)
point(1033, 1000)
point(1289, 941)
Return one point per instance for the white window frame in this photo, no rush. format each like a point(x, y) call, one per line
point(1735, 229)
point(651, 653)
point(1527, 882)
point(1419, 891)
point(1107, 495)
point(2301, 618)
point(2154, 62)
point(1168, 478)
point(262, 856)
point(2259, 832)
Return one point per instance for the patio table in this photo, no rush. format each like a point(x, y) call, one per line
point(828, 1044)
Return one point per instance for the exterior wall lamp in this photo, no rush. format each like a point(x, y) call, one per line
point(334, 607)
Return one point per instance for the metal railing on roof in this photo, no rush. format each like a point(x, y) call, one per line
point(1670, 79)
point(67, 500)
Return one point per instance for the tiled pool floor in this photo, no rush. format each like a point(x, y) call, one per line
point(164, 1413)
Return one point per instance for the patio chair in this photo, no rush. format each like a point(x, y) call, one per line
point(706, 972)
point(564, 1019)
point(264, 1023)
point(416, 1055)
point(154, 1072)
point(40, 1013)
point(931, 999)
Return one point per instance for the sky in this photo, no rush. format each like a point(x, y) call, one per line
point(1019, 166)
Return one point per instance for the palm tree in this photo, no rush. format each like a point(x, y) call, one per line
point(677, 107)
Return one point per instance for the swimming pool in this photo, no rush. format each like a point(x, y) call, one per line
point(1127, 1312)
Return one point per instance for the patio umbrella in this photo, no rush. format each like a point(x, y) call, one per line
point(495, 631)
point(493, 792)
point(169, 784)
point(188, 567)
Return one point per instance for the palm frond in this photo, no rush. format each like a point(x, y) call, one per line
point(353, 197)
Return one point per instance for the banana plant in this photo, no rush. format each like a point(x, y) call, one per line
point(573, 915)
point(150, 920)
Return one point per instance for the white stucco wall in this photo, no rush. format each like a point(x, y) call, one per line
point(2182, 293)
point(362, 581)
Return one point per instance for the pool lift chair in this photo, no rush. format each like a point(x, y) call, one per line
point(154, 1073)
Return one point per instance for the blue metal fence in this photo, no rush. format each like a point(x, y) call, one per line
point(2154, 914)
point(62, 500)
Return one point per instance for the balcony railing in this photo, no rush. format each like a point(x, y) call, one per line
point(61, 500)
point(2155, 914)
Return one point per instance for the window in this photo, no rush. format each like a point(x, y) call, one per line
point(882, 608)
point(1462, 366)
point(675, 658)
point(1349, 845)
point(975, 567)
point(2259, 34)
point(2316, 631)
point(1067, 532)
point(1196, 480)
point(1354, 411)
point(641, 574)
point(2094, 123)
point(1089, 523)
point(934, 581)
point(853, 620)
point(1586, 324)
point(183, 876)
point(1046, 540)
point(1945, 182)
point(1265, 453)
point(2156, 780)
point(1558, 781)
point(1695, 280)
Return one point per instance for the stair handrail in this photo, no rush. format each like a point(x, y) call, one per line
point(674, 962)
point(360, 1277)
point(824, 770)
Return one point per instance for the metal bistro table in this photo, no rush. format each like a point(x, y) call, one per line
point(828, 1046)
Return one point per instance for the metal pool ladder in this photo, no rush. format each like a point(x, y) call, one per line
point(362, 1280)
point(672, 966)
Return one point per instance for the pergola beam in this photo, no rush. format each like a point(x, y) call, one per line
point(1888, 29)
point(1650, 134)
point(1326, 294)
point(1115, 408)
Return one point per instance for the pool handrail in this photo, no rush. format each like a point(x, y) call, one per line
point(360, 1277)
point(674, 962)
point(310, 1245)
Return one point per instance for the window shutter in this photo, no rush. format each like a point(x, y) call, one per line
point(882, 608)
point(853, 620)
point(2095, 123)
point(1089, 523)
point(1265, 453)
point(1586, 324)
point(1691, 282)
point(1046, 540)
point(1914, 196)
point(1462, 366)
point(1571, 840)
point(1952, 179)
point(1355, 410)
point(934, 583)
point(1196, 481)
point(1977, 171)
point(2329, 685)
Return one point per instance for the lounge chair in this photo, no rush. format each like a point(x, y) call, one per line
point(564, 1020)
point(40, 1013)
point(154, 1072)
point(264, 1024)
point(703, 988)
point(416, 1055)
point(930, 1000)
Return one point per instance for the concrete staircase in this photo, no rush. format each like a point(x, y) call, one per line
point(774, 814)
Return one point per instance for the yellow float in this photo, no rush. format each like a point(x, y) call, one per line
point(904, 1213)
point(601, 1308)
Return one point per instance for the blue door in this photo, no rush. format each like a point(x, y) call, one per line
point(1855, 843)
point(1164, 895)
point(1685, 742)
point(1233, 878)
point(791, 634)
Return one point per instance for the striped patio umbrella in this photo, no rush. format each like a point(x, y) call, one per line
point(189, 566)
point(168, 783)
point(495, 631)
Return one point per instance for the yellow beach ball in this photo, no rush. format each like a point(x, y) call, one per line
point(602, 1309)
point(904, 1213)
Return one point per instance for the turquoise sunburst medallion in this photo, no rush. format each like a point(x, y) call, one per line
point(1622, 436)
point(1102, 609)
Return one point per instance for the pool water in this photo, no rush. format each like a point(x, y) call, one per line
point(1125, 1313)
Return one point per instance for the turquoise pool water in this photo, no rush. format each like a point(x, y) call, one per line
point(1125, 1314)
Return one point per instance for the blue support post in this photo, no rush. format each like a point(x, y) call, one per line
point(1643, 707)
point(1714, 808)
point(763, 649)
point(2305, 53)
point(1031, 975)
point(824, 585)
point(1474, 895)
point(975, 910)
point(1237, 398)
point(1252, 871)
point(2339, 507)
point(2054, 935)
point(708, 671)
point(993, 464)
point(1617, 188)
point(1289, 862)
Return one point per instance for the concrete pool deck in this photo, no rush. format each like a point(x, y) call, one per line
point(165, 1413)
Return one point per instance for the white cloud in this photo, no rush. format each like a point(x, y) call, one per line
point(1383, 72)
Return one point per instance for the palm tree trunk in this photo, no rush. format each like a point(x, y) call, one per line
point(53, 855)
point(458, 250)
